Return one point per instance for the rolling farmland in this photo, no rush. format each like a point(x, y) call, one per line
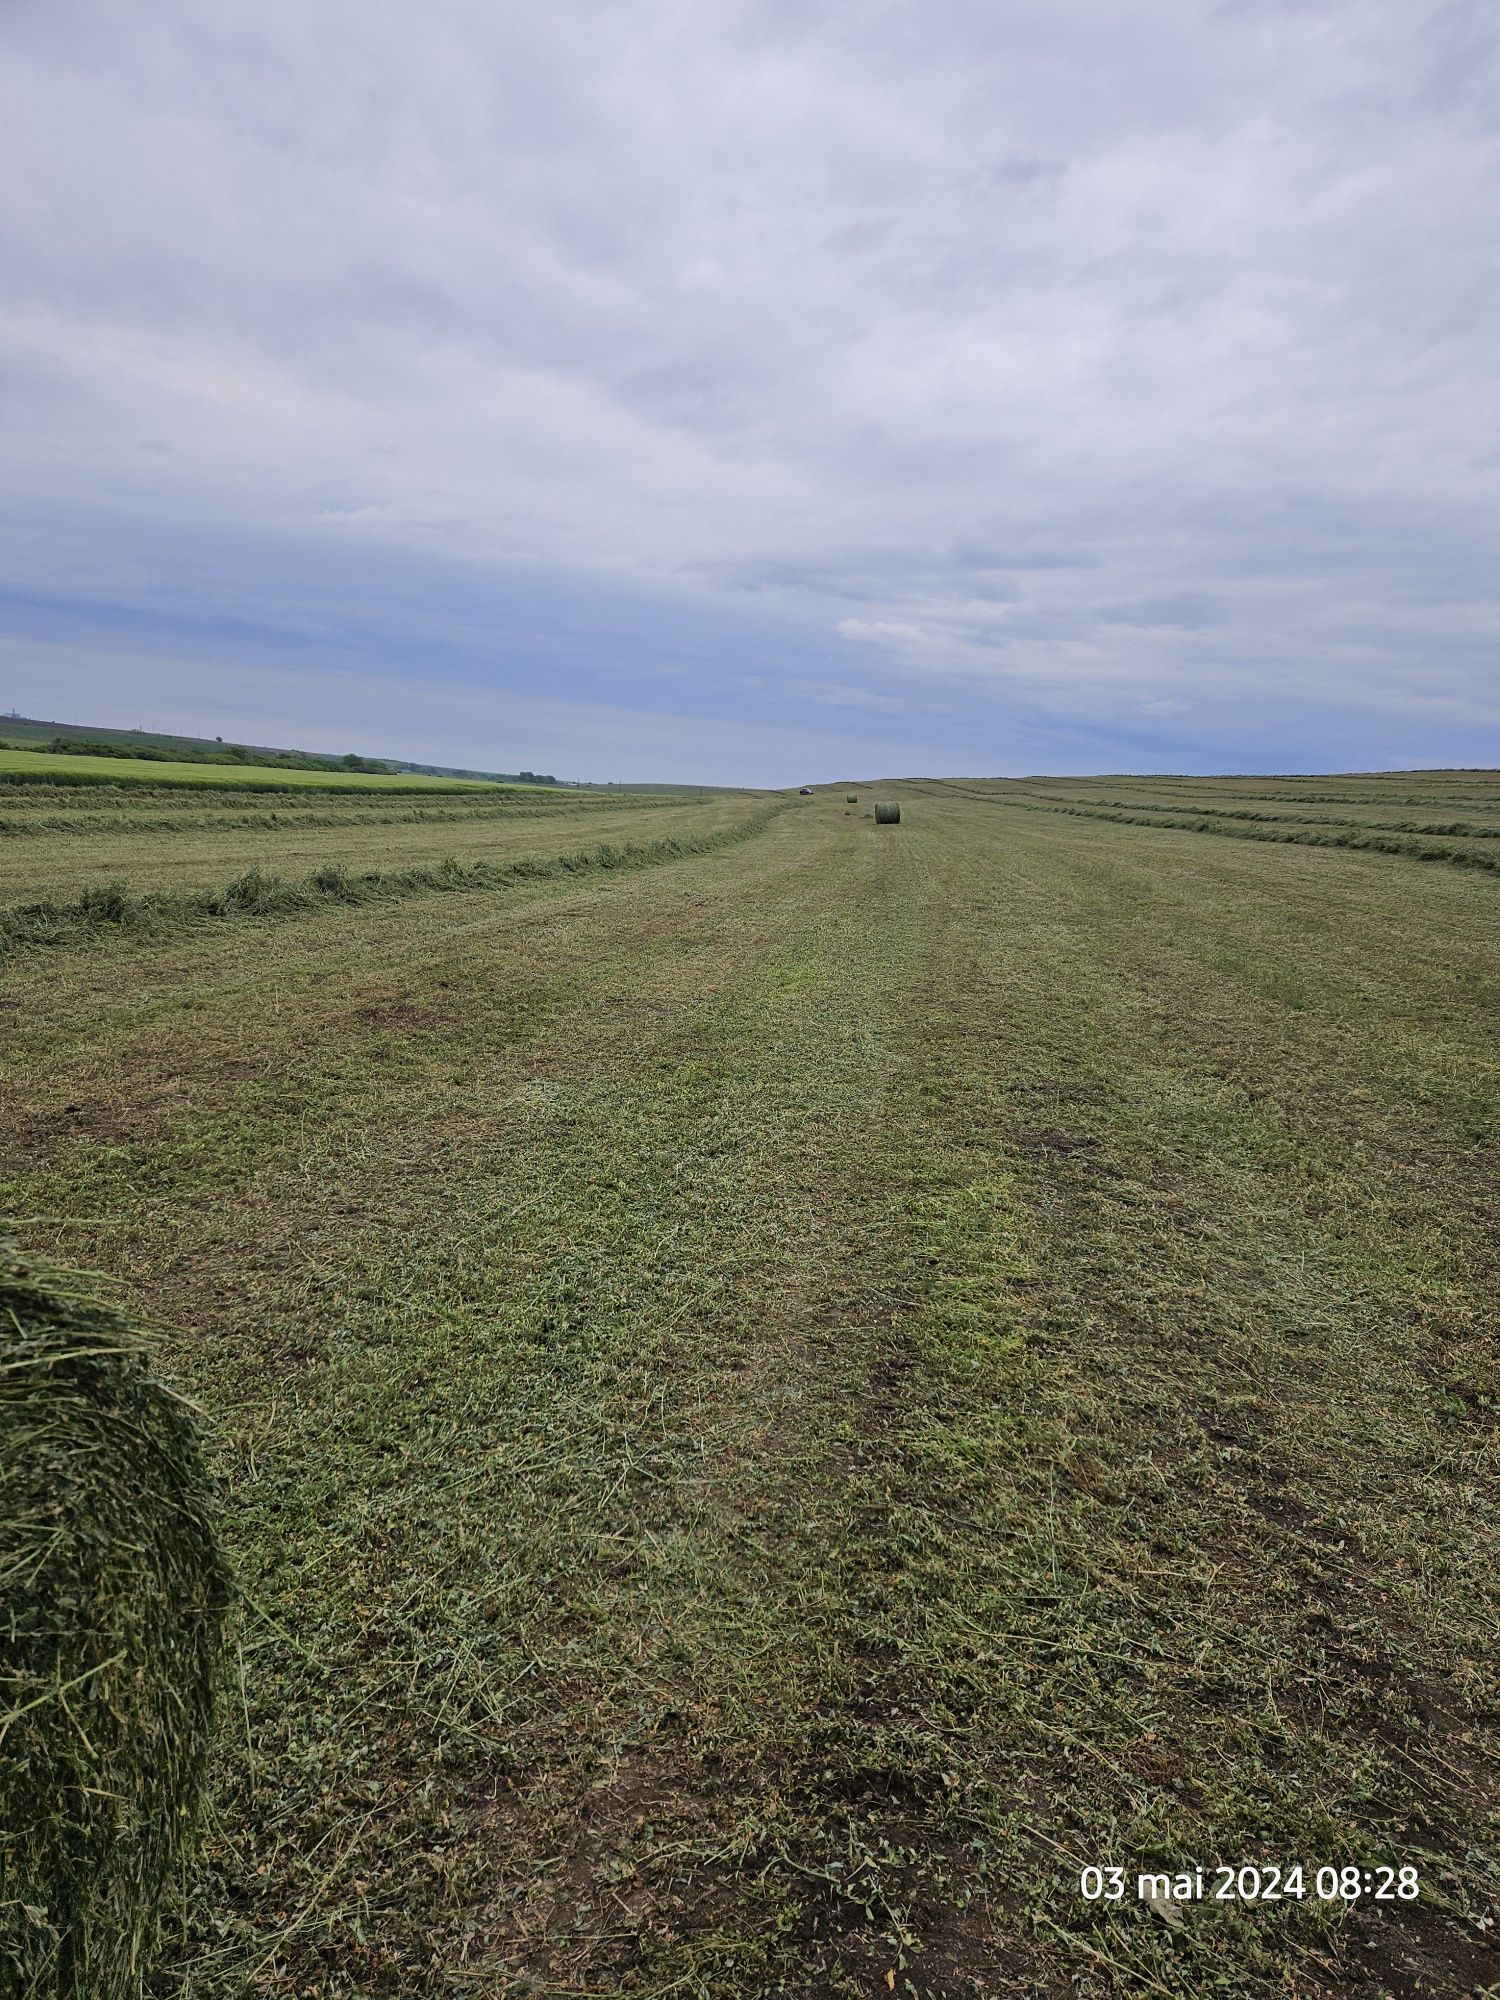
point(22, 766)
point(58, 843)
point(783, 1387)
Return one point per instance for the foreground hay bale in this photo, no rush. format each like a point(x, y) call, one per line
point(113, 1592)
point(887, 815)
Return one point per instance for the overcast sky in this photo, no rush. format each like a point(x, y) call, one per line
point(757, 391)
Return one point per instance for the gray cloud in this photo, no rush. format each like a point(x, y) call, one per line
point(1019, 172)
point(849, 309)
point(1186, 612)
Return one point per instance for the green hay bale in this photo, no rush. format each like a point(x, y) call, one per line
point(851, 798)
point(887, 815)
point(113, 1595)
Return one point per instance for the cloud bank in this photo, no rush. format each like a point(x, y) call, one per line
point(1043, 386)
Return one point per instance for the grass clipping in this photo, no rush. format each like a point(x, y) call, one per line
point(113, 1593)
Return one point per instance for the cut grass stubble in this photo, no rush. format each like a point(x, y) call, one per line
point(750, 1490)
point(113, 907)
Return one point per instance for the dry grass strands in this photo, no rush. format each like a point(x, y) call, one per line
point(113, 1595)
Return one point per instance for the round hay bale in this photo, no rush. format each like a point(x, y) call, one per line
point(851, 798)
point(887, 815)
point(113, 1597)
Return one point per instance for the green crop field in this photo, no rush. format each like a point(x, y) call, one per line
point(56, 768)
point(782, 1387)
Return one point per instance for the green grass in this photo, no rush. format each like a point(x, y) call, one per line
point(41, 767)
point(181, 847)
point(1254, 810)
point(776, 1406)
point(102, 909)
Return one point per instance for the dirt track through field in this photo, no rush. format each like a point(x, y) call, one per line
point(778, 1407)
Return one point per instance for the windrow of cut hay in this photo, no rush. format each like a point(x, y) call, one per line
point(1479, 790)
point(113, 1596)
point(1348, 835)
point(229, 778)
point(113, 907)
point(277, 814)
point(1175, 814)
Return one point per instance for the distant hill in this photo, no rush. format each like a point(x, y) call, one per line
point(22, 732)
point(455, 771)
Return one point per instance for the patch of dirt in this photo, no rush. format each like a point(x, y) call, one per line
point(99, 1121)
point(1415, 1954)
point(615, 1873)
point(1045, 1139)
point(409, 1015)
point(887, 1927)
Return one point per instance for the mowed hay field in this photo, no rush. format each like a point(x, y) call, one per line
point(59, 842)
point(778, 1403)
point(59, 768)
point(1426, 815)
